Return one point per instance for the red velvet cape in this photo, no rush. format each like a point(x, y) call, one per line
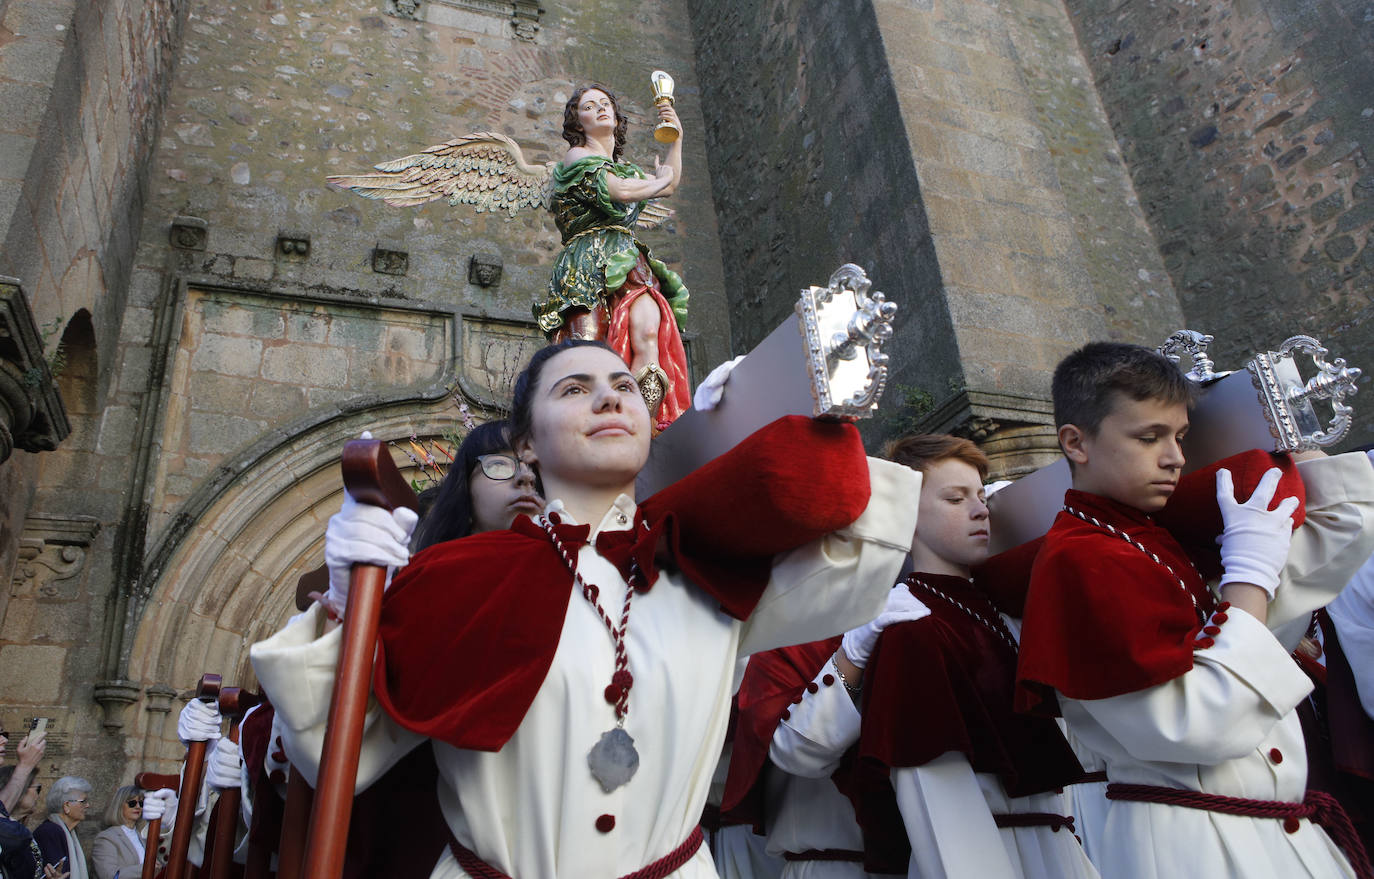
point(1102, 618)
point(773, 682)
point(939, 684)
point(469, 627)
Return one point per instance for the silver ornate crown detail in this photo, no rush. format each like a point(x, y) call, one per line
point(845, 328)
point(1289, 399)
point(1194, 344)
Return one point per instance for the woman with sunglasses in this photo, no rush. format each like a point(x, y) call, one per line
point(568, 744)
point(118, 850)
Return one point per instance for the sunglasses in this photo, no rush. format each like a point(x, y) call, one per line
point(499, 466)
point(134, 802)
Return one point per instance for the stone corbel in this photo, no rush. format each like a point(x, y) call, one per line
point(52, 551)
point(32, 416)
point(114, 697)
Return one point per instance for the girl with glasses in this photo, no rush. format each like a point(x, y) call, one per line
point(486, 488)
point(574, 674)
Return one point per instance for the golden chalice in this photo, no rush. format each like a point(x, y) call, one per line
point(666, 132)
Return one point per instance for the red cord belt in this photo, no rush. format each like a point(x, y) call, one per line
point(664, 866)
point(1317, 806)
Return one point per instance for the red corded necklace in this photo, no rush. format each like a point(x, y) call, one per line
point(613, 760)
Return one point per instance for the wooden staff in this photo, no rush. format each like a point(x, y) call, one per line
point(233, 704)
point(151, 781)
point(371, 477)
point(295, 824)
point(191, 776)
point(300, 796)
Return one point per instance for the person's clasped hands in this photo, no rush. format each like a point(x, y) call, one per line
point(1255, 539)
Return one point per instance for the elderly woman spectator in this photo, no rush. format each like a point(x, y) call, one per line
point(68, 802)
point(118, 850)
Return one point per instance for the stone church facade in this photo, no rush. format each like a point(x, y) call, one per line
point(195, 322)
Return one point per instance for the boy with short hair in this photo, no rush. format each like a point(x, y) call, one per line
point(1188, 700)
point(946, 780)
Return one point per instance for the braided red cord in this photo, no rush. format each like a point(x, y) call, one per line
point(660, 869)
point(621, 679)
point(1321, 808)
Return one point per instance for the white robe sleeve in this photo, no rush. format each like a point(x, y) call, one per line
point(811, 741)
point(841, 580)
point(1220, 710)
point(951, 831)
point(1353, 614)
point(297, 669)
point(1330, 546)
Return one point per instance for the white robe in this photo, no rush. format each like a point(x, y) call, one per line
point(947, 808)
point(530, 809)
point(1227, 713)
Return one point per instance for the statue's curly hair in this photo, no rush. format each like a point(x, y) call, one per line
point(572, 131)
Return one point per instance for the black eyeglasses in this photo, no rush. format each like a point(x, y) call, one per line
point(499, 466)
point(134, 802)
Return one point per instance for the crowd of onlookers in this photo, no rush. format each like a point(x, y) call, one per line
point(38, 832)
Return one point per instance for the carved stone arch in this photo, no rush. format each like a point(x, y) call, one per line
point(225, 576)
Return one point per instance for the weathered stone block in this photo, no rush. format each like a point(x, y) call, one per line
point(32, 674)
point(231, 355)
point(311, 365)
point(215, 434)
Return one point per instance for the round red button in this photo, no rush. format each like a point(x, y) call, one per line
point(1291, 824)
point(605, 823)
point(1276, 755)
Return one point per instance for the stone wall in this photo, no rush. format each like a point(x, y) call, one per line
point(1247, 129)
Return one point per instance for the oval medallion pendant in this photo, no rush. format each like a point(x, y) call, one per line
point(613, 760)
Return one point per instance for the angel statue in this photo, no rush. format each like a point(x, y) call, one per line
point(605, 283)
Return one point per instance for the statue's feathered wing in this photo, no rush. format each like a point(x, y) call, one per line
point(486, 170)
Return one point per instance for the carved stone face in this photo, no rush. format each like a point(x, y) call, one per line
point(484, 270)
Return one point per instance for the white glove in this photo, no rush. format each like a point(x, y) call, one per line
point(901, 607)
point(1254, 543)
point(158, 803)
point(364, 534)
point(199, 722)
point(222, 768)
point(712, 389)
